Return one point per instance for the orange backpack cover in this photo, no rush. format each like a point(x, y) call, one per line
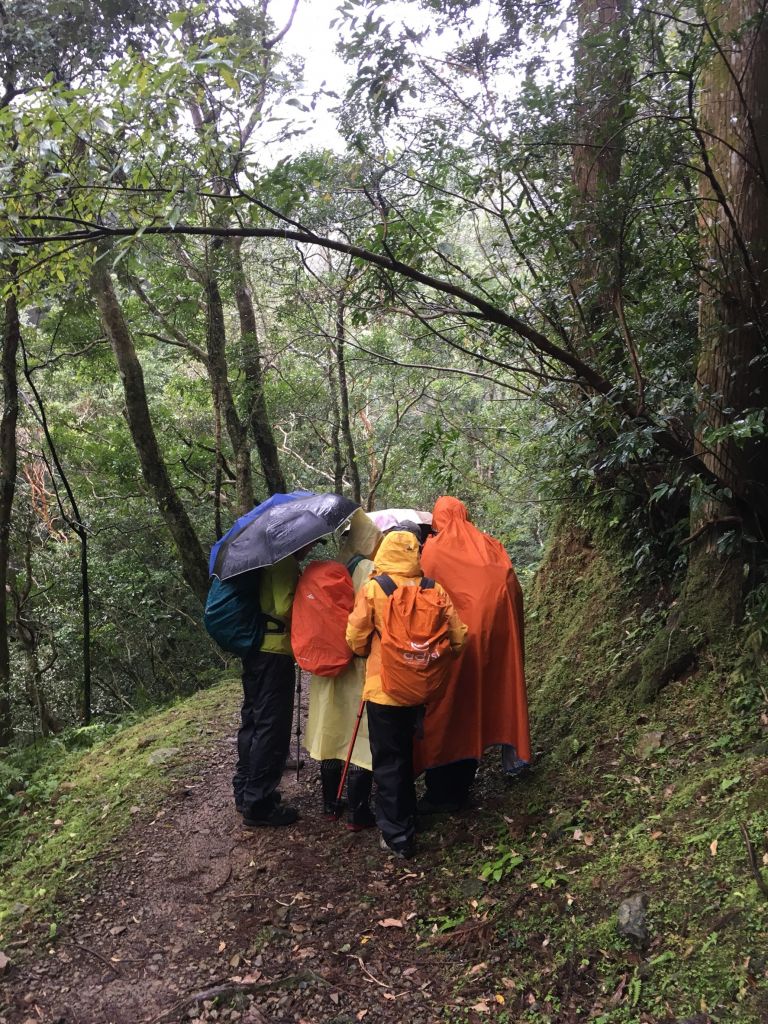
point(415, 647)
point(321, 606)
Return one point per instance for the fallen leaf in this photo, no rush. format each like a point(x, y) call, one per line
point(235, 960)
point(5, 963)
point(713, 847)
point(765, 858)
point(481, 1006)
point(589, 839)
point(618, 994)
point(391, 922)
point(500, 999)
point(507, 983)
point(578, 835)
point(222, 947)
point(477, 968)
point(117, 930)
point(334, 998)
point(409, 971)
point(360, 1014)
point(657, 834)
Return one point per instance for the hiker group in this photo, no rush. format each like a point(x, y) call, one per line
point(414, 640)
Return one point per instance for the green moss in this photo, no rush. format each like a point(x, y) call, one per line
point(75, 803)
point(661, 818)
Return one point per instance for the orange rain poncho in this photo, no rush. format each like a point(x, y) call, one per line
point(485, 702)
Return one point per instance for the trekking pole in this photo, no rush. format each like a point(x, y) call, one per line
point(298, 720)
point(349, 758)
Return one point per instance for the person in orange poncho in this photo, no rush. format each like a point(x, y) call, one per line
point(485, 703)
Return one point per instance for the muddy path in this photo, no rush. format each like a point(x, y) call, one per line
point(190, 916)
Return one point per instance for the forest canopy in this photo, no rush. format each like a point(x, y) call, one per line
point(529, 271)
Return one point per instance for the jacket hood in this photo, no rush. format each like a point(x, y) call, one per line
point(448, 510)
point(398, 554)
point(362, 538)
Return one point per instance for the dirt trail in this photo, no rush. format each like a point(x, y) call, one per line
point(285, 921)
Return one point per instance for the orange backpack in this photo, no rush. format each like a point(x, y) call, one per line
point(415, 648)
point(321, 606)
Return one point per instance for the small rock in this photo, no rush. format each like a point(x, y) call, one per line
point(632, 913)
point(117, 930)
point(161, 755)
point(649, 743)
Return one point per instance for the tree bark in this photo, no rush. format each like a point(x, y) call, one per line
point(258, 414)
point(8, 467)
point(731, 375)
point(222, 393)
point(153, 468)
point(602, 78)
point(346, 423)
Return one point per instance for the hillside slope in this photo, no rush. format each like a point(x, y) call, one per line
point(158, 906)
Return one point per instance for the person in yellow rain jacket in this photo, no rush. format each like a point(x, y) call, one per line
point(264, 736)
point(391, 727)
point(334, 703)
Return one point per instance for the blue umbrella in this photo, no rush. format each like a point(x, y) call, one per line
point(279, 527)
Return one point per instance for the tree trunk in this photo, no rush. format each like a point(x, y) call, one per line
point(153, 468)
point(11, 339)
point(346, 423)
point(261, 427)
point(602, 77)
point(222, 393)
point(732, 376)
point(333, 390)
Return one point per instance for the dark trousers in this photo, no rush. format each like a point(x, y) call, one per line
point(359, 785)
point(450, 783)
point(391, 731)
point(265, 731)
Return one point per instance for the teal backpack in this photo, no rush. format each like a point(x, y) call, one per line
point(233, 615)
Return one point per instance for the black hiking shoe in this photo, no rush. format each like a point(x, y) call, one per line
point(361, 819)
point(240, 807)
point(404, 852)
point(280, 814)
point(333, 809)
point(427, 806)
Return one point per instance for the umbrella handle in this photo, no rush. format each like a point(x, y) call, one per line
point(349, 758)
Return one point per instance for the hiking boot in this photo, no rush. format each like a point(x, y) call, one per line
point(240, 807)
point(279, 814)
point(361, 819)
point(333, 809)
point(404, 852)
point(427, 806)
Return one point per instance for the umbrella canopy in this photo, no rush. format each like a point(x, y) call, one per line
point(278, 527)
point(386, 518)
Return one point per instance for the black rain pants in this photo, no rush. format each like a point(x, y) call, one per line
point(264, 736)
point(391, 731)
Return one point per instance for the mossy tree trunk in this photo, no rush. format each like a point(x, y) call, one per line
point(732, 371)
point(153, 467)
point(602, 79)
point(731, 127)
point(257, 414)
point(8, 467)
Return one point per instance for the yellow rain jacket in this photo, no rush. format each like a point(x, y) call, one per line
point(334, 703)
point(398, 557)
point(277, 586)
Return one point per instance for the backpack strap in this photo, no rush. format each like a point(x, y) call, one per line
point(426, 583)
point(386, 583)
point(353, 563)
